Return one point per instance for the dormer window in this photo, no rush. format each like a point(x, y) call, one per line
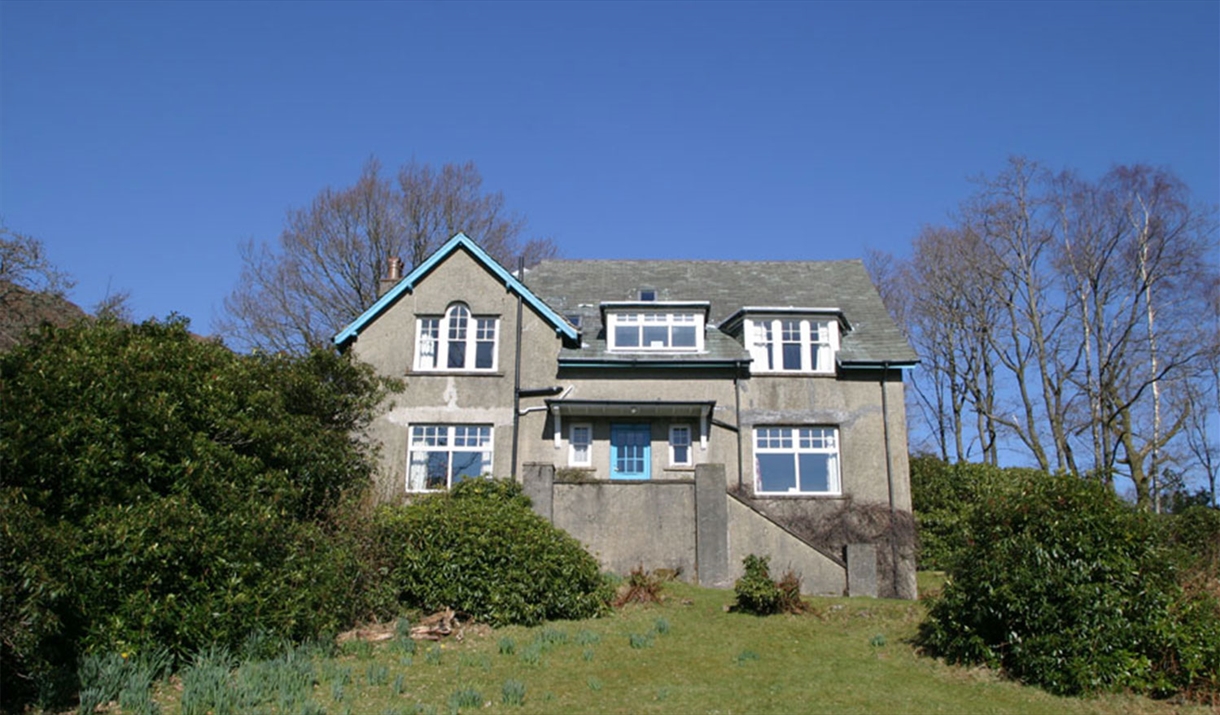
point(792, 344)
point(457, 341)
point(669, 331)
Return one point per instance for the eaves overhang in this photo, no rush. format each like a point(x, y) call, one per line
point(878, 364)
point(631, 408)
point(460, 241)
point(731, 323)
point(648, 363)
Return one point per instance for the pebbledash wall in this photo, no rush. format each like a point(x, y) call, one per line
point(691, 527)
point(701, 519)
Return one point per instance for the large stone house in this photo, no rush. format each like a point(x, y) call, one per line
point(668, 414)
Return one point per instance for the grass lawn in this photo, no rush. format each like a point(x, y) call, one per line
point(685, 655)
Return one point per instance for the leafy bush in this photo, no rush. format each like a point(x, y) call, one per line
point(1065, 586)
point(943, 495)
point(481, 550)
point(758, 594)
point(160, 489)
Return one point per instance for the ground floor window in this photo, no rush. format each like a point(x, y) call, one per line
point(443, 455)
point(679, 446)
point(802, 460)
point(580, 439)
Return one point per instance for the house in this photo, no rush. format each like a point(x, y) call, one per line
point(670, 414)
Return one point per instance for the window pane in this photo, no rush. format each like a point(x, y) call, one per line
point(792, 356)
point(655, 335)
point(417, 472)
point(484, 355)
point(467, 465)
point(684, 336)
point(815, 472)
point(457, 354)
point(429, 339)
point(626, 336)
point(776, 472)
point(437, 467)
point(681, 454)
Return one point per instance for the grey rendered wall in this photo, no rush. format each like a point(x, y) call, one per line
point(649, 524)
point(538, 443)
point(751, 533)
point(388, 344)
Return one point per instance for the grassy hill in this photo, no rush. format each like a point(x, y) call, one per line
point(685, 655)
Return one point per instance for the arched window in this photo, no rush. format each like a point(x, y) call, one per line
point(456, 341)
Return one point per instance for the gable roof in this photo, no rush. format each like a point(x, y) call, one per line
point(412, 279)
point(578, 287)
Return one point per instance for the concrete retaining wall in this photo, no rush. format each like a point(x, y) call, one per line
point(694, 528)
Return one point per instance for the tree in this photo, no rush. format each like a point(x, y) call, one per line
point(31, 288)
point(1062, 316)
point(157, 489)
point(328, 263)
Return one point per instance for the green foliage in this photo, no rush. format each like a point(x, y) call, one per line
point(758, 594)
point(1065, 586)
point(481, 550)
point(465, 698)
point(943, 496)
point(160, 489)
point(512, 692)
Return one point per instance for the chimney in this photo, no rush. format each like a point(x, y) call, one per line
point(393, 275)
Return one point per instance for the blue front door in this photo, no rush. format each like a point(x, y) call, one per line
point(630, 454)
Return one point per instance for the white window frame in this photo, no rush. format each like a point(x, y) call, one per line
point(435, 337)
point(796, 441)
point(448, 439)
point(675, 442)
point(817, 341)
point(653, 319)
point(573, 457)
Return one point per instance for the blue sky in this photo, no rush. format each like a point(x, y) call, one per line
point(142, 142)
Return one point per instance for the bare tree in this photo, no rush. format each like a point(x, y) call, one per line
point(326, 267)
point(32, 289)
point(1058, 314)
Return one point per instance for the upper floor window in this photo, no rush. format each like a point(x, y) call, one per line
point(456, 341)
point(792, 344)
point(655, 330)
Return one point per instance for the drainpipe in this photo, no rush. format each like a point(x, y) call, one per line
point(889, 470)
point(517, 374)
point(737, 419)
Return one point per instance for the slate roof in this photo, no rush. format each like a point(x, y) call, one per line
point(578, 287)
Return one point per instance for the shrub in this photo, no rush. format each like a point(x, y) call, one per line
point(640, 587)
point(758, 594)
point(943, 496)
point(1063, 585)
point(482, 551)
point(160, 489)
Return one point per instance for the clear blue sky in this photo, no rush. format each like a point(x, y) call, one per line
point(142, 142)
